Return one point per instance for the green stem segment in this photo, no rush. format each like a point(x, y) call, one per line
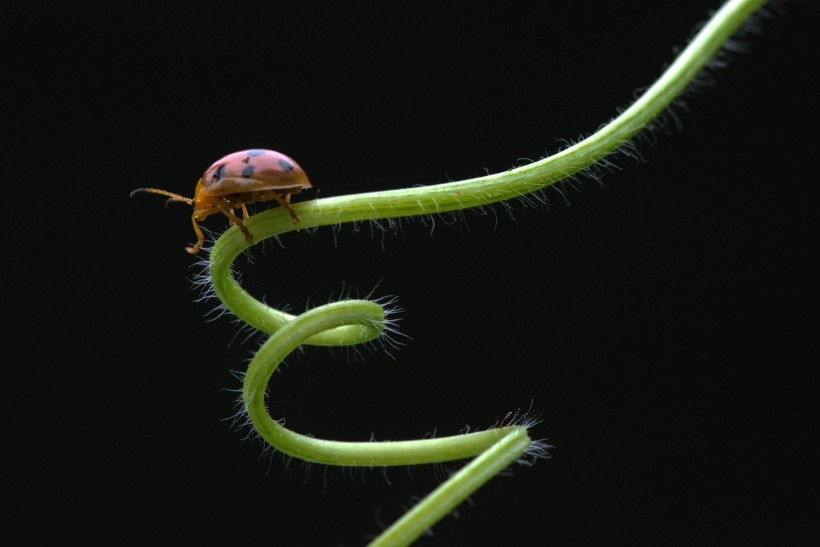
point(363, 319)
point(356, 321)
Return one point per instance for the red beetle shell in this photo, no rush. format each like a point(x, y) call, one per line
point(249, 171)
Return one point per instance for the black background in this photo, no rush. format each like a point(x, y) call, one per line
point(664, 326)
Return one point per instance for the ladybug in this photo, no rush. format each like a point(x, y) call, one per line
point(237, 180)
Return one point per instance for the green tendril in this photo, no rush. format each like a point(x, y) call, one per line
point(351, 322)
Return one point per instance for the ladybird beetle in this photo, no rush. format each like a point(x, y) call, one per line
point(237, 180)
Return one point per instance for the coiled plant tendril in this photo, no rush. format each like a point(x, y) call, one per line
point(351, 322)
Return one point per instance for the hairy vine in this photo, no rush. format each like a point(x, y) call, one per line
point(350, 322)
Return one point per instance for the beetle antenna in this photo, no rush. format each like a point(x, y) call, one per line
point(171, 196)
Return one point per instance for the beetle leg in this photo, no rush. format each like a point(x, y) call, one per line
point(238, 221)
point(200, 238)
point(245, 214)
point(284, 201)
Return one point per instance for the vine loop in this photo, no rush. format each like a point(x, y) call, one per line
point(352, 322)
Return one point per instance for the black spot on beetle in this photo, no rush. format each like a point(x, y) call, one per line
point(286, 166)
point(256, 152)
point(247, 172)
point(220, 172)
